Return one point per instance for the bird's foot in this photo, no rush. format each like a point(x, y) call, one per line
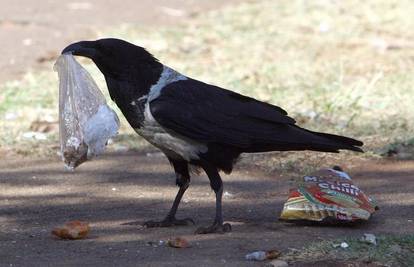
point(168, 222)
point(219, 228)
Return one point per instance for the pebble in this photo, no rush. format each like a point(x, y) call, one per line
point(369, 238)
point(344, 245)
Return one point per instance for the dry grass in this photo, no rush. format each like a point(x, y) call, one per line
point(343, 66)
point(338, 66)
point(389, 251)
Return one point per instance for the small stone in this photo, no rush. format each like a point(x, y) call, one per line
point(344, 245)
point(369, 238)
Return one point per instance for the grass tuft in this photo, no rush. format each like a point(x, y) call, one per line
point(390, 251)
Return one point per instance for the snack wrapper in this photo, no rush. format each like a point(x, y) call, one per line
point(328, 195)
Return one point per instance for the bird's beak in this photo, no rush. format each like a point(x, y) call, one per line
point(83, 48)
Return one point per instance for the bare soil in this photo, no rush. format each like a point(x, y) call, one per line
point(34, 32)
point(37, 195)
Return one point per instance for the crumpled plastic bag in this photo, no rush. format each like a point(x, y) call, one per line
point(327, 196)
point(86, 122)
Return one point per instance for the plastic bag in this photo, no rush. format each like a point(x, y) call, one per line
point(327, 196)
point(86, 122)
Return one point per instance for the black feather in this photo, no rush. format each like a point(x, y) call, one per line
point(213, 115)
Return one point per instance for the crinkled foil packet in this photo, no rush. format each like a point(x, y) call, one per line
point(327, 196)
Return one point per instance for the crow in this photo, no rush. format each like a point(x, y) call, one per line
point(195, 123)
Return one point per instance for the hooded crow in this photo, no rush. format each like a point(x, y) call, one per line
point(196, 123)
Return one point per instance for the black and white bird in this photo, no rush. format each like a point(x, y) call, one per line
point(196, 123)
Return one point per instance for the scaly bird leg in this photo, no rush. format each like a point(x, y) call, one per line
point(183, 181)
point(217, 185)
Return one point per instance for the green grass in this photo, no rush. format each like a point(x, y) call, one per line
point(338, 66)
point(390, 250)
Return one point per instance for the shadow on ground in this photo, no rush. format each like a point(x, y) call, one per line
point(37, 195)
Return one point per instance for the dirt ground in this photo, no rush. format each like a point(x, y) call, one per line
point(32, 32)
point(37, 195)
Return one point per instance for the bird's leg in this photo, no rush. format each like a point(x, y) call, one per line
point(217, 185)
point(183, 181)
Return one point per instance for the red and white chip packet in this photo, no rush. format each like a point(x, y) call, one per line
point(327, 195)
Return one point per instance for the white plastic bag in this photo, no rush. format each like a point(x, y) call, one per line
point(86, 122)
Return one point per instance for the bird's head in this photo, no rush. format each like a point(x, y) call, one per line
point(116, 58)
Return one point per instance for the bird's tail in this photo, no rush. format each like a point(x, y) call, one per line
point(334, 143)
point(297, 138)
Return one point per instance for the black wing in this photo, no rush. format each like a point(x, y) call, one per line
point(210, 114)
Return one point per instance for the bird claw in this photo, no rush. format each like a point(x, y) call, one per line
point(168, 222)
point(215, 228)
